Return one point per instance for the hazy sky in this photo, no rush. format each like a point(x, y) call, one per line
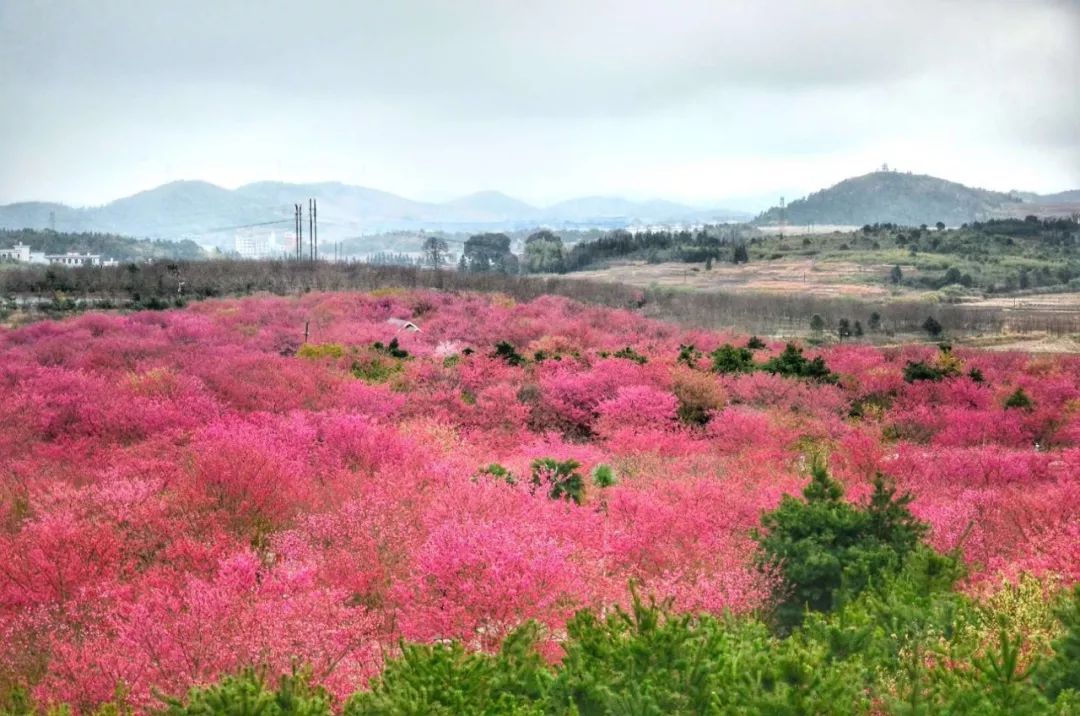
point(706, 101)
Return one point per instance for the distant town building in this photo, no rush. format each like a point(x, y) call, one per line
point(19, 252)
point(253, 244)
point(73, 259)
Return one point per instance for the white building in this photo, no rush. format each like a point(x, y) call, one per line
point(73, 259)
point(252, 245)
point(19, 252)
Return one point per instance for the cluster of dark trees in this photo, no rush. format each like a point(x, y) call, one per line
point(849, 328)
point(1031, 225)
point(488, 253)
point(545, 252)
point(702, 246)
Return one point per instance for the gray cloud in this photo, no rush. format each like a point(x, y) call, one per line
point(553, 98)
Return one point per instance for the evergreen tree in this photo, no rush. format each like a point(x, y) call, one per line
point(827, 551)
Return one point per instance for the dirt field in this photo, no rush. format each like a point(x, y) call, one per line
point(1027, 343)
point(792, 276)
point(838, 279)
point(1052, 302)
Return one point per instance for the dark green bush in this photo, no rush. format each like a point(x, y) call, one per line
point(791, 363)
point(249, 694)
point(730, 359)
point(1019, 400)
point(504, 350)
point(560, 478)
point(827, 550)
point(1061, 673)
point(920, 370)
point(447, 680)
point(689, 355)
point(629, 353)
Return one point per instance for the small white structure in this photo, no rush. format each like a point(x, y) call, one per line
point(402, 323)
point(19, 252)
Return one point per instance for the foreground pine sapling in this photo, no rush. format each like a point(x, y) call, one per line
point(826, 550)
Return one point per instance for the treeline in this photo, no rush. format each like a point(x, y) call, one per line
point(545, 252)
point(113, 246)
point(164, 284)
point(1052, 229)
point(391, 258)
point(701, 246)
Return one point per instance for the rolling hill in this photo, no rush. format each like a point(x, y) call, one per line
point(893, 197)
point(211, 214)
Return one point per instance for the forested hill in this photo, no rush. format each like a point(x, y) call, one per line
point(894, 198)
point(111, 246)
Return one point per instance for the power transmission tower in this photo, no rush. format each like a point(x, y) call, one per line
point(783, 216)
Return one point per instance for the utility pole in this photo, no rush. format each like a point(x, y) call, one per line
point(299, 210)
point(315, 220)
point(311, 228)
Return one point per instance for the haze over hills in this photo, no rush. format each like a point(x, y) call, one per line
point(906, 199)
point(211, 214)
point(1062, 197)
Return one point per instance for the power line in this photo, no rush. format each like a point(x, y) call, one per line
point(238, 226)
point(216, 230)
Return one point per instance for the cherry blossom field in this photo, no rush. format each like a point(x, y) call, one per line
point(186, 492)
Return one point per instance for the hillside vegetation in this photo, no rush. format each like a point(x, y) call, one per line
point(893, 198)
point(995, 256)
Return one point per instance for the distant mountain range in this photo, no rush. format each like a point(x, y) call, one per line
point(212, 215)
point(911, 200)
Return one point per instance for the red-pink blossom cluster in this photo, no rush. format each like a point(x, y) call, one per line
point(186, 492)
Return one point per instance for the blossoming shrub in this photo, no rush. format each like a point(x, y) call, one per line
point(186, 493)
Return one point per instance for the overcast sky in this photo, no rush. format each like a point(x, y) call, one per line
point(705, 101)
